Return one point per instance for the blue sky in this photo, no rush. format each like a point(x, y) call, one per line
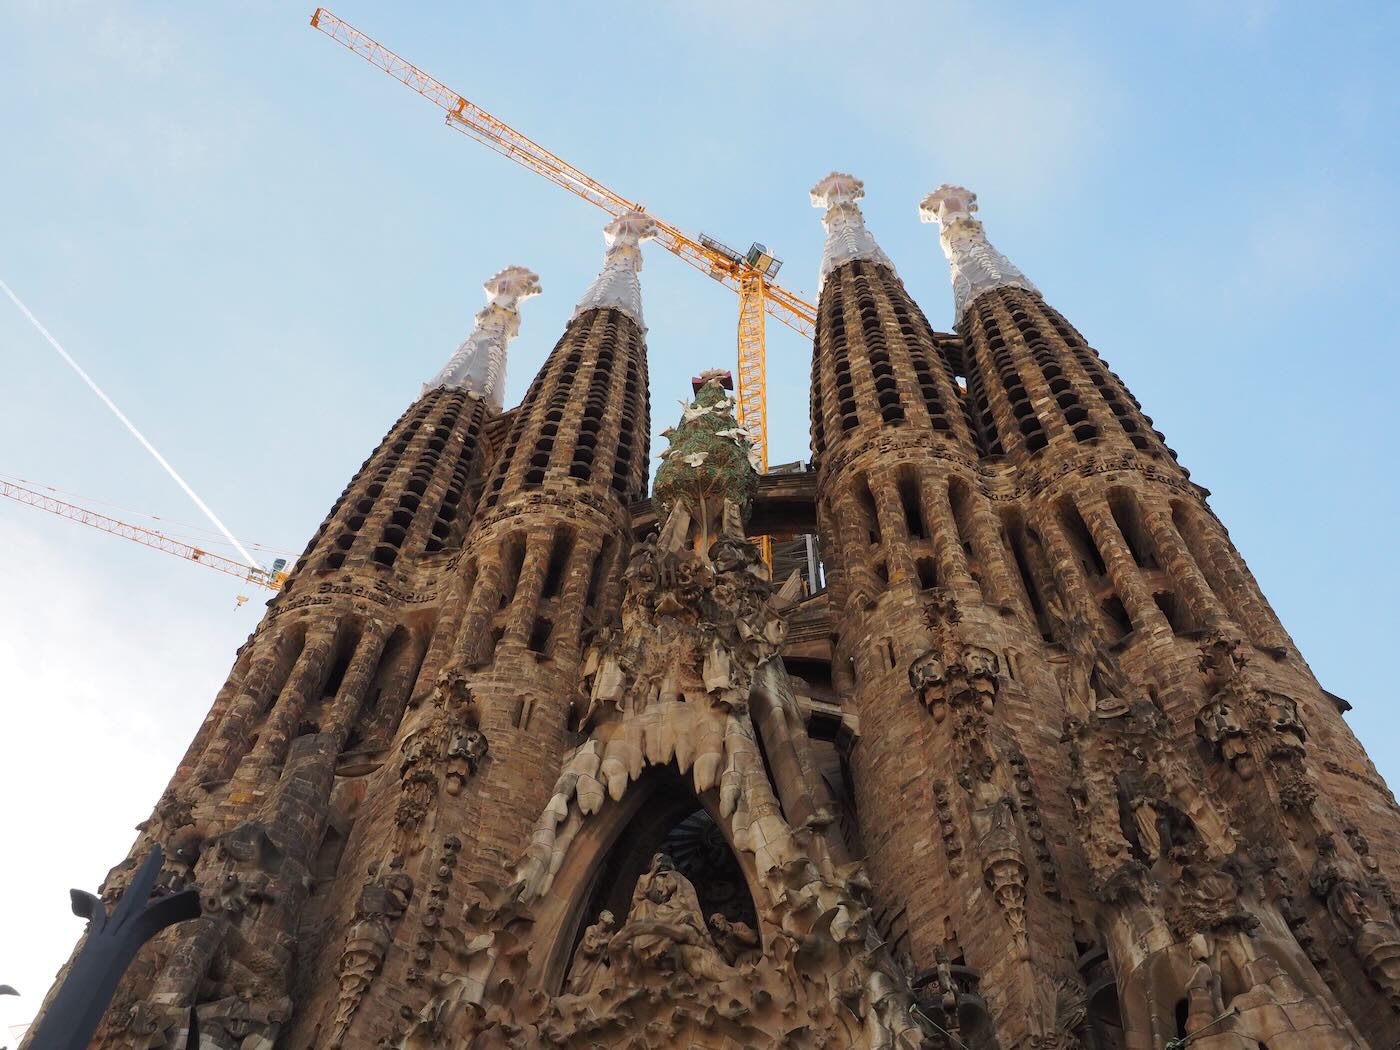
point(261, 246)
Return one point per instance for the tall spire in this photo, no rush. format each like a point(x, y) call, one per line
point(847, 238)
point(977, 267)
point(479, 365)
point(617, 287)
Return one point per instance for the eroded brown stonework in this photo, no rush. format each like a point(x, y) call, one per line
point(516, 761)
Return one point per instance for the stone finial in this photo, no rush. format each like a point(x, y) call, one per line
point(709, 468)
point(847, 239)
point(479, 365)
point(617, 287)
point(977, 267)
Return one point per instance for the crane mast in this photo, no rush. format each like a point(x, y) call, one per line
point(759, 296)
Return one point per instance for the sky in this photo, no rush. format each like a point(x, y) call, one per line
point(260, 246)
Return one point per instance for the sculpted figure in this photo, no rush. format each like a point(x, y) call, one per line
point(1360, 914)
point(448, 745)
point(588, 971)
point(729, 554)
point(1093, 682)
point(1282, 714)
point(241, 878)
point(381, 905)
point(664, 931)
point(737, 942)
point(1218, 724)
point(984, 797)
point(981, 666)
point(174, 827)
point(1202, 897)
point(465, 750)
point(643, 574)
point(1004, 870)
point(926, 675)
point(1140, 793)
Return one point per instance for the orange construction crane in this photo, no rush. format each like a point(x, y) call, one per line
point(272, 578)
point(750, 274)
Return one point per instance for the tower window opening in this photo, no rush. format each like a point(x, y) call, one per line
point(1017, 541)
point(673, 823)
point(928, 573)
point(1128, 517)
point(539, 635)
point(1175, 612)
point(514, 560)
point(1189, 528)
point(865, 500)
point(601, 565)
point(559, 555)
point(1115, 613)
point(344, 651)
point(1081, 540)
point(960, 500)
point(908, 486)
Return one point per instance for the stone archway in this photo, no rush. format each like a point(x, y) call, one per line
point(614, 848)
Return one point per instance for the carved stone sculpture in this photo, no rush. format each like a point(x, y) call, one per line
point(1360, 916)
point(1219, 725)
point(589, 969)
point(382, 904)
point(1004, 869)
point(664, 930)
point(443, 752)
point(1281, 713)
point(737, 942)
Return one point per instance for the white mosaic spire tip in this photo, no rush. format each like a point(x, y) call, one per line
point(976, 266)
point(847, 239)
point(617, 286)
point(479, 364)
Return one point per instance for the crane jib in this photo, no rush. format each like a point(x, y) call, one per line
point(735, 272)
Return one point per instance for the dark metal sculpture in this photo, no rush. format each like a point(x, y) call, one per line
point(112, 942)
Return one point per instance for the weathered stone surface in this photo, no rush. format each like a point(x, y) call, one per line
point(520, 759)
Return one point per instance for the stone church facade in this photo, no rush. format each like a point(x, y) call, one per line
point(525, 755)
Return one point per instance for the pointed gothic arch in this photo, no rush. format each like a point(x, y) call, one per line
point(617, 843)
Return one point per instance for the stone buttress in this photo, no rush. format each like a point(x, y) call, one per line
point(1154, 691)
point(258, 811)
point(925, 606)
point(600, 938)
point(520, 758)
point(492, 712)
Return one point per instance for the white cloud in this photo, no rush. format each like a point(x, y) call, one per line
point(106, 38)
point(101, 688)
point(990, 98)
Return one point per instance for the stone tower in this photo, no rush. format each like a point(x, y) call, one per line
point(521, 757)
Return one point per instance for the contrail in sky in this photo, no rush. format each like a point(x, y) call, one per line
point(130, 426)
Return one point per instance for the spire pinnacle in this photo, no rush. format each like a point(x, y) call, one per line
point(847, 238)
point(977, 267)
point(479, 365)
point(617, 287)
